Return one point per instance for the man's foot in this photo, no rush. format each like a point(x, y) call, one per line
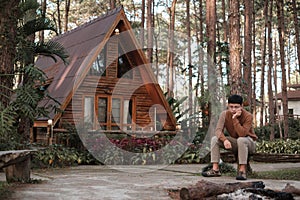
point(211, 173)
point(241, 176)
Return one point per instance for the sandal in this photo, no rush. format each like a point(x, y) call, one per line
point(211, 173)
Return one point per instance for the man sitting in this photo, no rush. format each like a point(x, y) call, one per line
point(238, 123)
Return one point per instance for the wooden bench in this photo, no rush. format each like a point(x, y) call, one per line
point(16, 165)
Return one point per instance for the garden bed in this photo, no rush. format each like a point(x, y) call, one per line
point(275, 158)
point(263, 157)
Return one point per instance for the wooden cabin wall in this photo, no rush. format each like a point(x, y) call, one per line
point(74, 110)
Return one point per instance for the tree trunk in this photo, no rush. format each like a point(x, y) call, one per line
point(225, 30)
point(282, 63)
point(200, 71)
point(171, 50)
point(112, 4)
point(149, 31)
point(270, 89)
point(263, 64)
point(190, 66)
point(235, 47)
point(8, 31)
point(275, 88)
point(254, 70)
point(44, 9)
point(58, 16)
point(297, 36)
point(247, 52)
point(143, 25)
point(67, 9)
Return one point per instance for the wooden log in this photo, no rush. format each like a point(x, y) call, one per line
point(204, 189)
point(291, 189)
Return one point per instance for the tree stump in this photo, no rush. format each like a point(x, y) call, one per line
point(19, 172)
point(16, 165)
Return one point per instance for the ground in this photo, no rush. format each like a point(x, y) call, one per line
point(126, 182)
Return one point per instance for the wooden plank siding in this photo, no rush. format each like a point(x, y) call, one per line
point(107, 83)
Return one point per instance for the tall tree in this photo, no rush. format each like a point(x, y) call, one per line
point(43, 14)
point(171, 50)
point(190, 65)
point(59, 16)
point(67, 10)
point(149, 31)
point(281, 30)
point(8, 30)
point(112, 4)
point(235, 47)
point(211, 20)
point(296, 26)
point(263, 63)
point(200, 72)
point(142, 36)
point(254, 67)
point(247, 52)
point(270, 64)
point(275, 87)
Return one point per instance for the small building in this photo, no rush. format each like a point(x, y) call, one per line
point(107, 86)
point(293, 95)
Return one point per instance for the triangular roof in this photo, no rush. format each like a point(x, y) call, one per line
point(83, 44)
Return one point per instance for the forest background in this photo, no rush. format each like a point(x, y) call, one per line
point(252, 45)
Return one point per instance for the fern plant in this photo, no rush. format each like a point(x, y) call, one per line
point(23, 105)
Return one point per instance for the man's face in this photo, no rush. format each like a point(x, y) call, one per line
point(234, 107)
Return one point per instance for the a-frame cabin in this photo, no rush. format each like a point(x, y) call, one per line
point(108, 84)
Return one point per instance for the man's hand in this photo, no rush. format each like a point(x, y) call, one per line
point(237, 113)
point(227, 144)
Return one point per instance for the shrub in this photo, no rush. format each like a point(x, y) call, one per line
point(279, 146)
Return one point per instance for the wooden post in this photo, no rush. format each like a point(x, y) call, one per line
point(19, 171)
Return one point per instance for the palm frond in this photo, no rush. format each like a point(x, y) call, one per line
point(37, 24)
point(52, 49)
point(7, 120)
point(28, 5)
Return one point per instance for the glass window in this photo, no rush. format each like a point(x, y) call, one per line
point(124, 66)
point(99, 65)
point(102, 108)
point(127, 115)
point(115, 109)
point(88, 112)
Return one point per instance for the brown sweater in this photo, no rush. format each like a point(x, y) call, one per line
point(238, 127)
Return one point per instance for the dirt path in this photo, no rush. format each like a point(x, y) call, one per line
point(103, 182)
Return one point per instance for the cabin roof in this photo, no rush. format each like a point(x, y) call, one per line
point(293, 95)
point(82, 44)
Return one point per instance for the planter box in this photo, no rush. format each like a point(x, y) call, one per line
point(275, 158)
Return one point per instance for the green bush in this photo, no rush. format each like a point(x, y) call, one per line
point(279, 146)
point(60, 156)
point(263, 132)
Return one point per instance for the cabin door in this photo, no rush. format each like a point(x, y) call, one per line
point(114, 113)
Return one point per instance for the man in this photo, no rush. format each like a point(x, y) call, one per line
point(238, 123)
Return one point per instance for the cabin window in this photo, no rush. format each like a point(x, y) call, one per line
point(124, 66)
point(114, 113)
point(127, 113)
point(102, 112)
point(88, 112)
point(99, 65)
point(116, 110)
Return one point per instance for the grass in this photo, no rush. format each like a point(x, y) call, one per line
point(286, 174)
point(4, 190)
